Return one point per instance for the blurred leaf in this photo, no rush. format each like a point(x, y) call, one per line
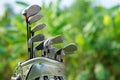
point(3, 52)
point(22, 3)
point(80, 40)
point(84, 75)
point(107, 19)
point(2, 65)
point(101, 73)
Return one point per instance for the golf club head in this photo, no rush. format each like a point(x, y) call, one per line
point(67, 49)
point(24, 12)
point(57, 39)
point(40, 46)
point(53, 40)
point(70, 48)
point(38, 37)
point(38, 27)
point(31, 10)
point(35, 18)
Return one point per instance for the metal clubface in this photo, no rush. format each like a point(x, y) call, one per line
point(56, 39)
point(67, 49)
point(38, 37)
point(35, 18)
point(70, 48)
point(31, 10)
point(52, 40)
point(38, 27)
point(48, 44)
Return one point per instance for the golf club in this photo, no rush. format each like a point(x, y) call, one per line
point(38, 27)
point(31, 10)
point(67, 49)
point(53, 40)
point(49, 42)
point(45, 45)
point(35, 29)
point(35, 18)
point(36, 38)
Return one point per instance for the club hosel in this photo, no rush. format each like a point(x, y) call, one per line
point(32, 33)
point(34, 53)
point(29, 43)
point(29, 48)
point(51, 52)
point(59, 52)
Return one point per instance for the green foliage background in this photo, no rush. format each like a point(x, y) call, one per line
point(95, 30)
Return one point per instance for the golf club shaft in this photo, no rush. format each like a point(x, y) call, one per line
point(32, 46)
point(28, 37)
point(27, 25)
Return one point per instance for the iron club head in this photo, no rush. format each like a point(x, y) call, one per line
point(31, 10)
point(38, 37)
point(70, 48)
point(67, 49)
point(38, 27)
point(57, 39)
point(35, 18)
point(53, 40)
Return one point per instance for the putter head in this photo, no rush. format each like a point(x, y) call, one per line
point(38, 27)
point(38, 37)
point(35, 18)
point(31, 10)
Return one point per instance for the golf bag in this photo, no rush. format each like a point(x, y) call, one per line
point(50, 64)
